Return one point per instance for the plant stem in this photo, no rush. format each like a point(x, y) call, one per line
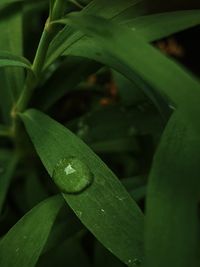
point(32, 80)
point(37, 67)
point(39, 60)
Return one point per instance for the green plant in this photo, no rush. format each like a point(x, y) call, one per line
point(155, 114)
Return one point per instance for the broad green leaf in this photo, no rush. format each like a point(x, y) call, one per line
point(11, 79)
point(68, 36)
point(140, 60)
point(105, 207)
point(111, 9)
point(23, 244)
point(8, 162)
point(157, 26)
point(172, 220)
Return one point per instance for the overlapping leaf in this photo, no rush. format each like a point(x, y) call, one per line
point(138, 61)
point(105, 207)
point(23, 244)
point(172, 222)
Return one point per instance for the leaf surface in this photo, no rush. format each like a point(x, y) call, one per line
point(23, 244)
point(172, 220)
point(102, 204)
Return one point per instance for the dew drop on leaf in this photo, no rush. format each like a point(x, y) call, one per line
point(72, 175)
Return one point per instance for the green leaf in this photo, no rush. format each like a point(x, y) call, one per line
point(11, 79)
point(172, 220)
point(105, 207)
point(9, 60)
point(8, 162)
point(68, 36)
point(23, 244)
point(157, 26)
point(64, 79)
point(139, 61)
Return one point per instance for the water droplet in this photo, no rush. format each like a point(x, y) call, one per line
point(102, 210)
point(79, 213)
point(172, 107)
point(121, 198)
point(72, 175)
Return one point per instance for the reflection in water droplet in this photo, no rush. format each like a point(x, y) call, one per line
point(72, 175)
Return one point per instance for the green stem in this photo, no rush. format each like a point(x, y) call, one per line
point(39, 60)
point(37, 67)
point(48, 34)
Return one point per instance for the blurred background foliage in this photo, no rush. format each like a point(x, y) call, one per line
point(105, 110)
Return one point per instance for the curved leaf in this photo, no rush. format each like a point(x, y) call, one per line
point(105, 207)
point(9, 60)
point(157, 26)
point(23, 244)
point(136, 59)
point(111, 10)
point(172, 220)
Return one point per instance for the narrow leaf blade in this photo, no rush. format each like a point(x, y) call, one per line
point(105, 207)
point(23, 244)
